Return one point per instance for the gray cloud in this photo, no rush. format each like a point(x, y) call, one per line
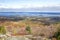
point(51, 8)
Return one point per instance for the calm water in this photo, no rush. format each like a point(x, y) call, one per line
point(30, 14)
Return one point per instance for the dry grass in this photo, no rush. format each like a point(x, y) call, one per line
point(37, 28)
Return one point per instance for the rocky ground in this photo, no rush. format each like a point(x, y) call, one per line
point(25, 37)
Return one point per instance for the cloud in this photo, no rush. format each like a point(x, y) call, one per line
point(30, 7)
point(26, 5)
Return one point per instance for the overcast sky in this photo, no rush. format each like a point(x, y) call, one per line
point(29, 3)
